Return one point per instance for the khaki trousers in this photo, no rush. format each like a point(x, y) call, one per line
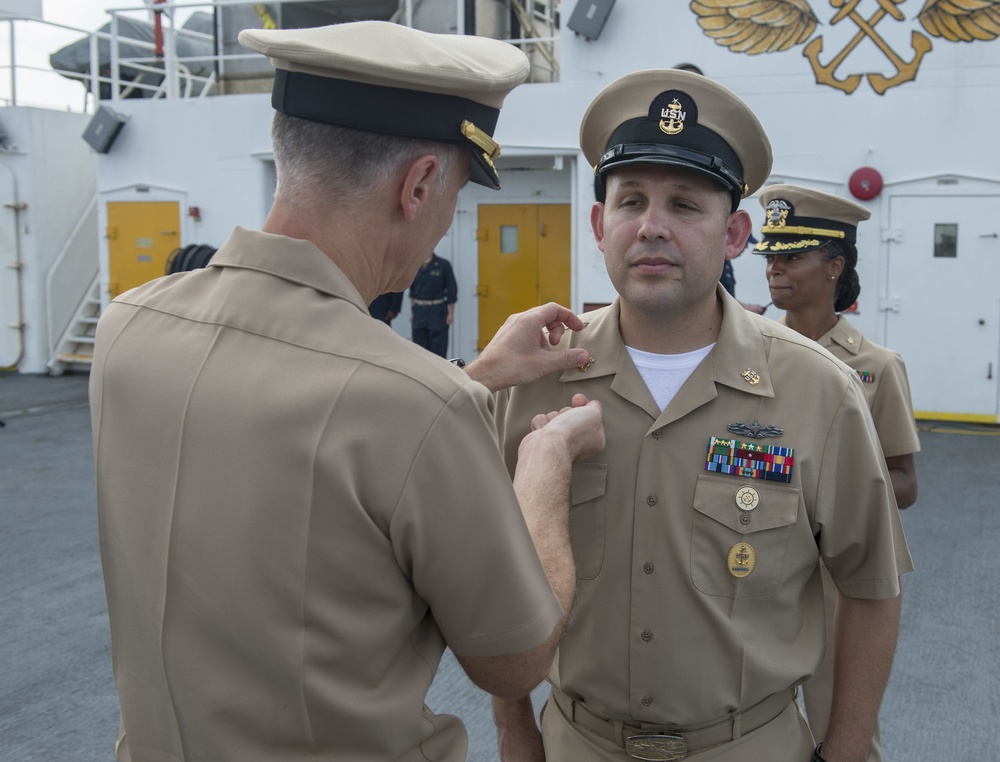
point(786, 738)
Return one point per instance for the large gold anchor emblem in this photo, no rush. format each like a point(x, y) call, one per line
point(906, 71)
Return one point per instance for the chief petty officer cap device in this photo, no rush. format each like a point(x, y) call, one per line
point(390, 79)
point(799, 219)
point(676, 118)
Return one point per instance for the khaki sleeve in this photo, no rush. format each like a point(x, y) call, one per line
point(893, 410)
point(459, 532)
point(860, 536)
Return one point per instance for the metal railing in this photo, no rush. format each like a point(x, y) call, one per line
point(165, 74)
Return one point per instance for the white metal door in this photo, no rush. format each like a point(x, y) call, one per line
point(943, 302)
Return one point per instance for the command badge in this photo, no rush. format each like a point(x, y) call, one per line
point(742, 559)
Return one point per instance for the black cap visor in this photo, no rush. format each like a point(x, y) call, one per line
point(674, 156)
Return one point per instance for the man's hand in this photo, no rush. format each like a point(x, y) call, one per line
point(579, 425)
point(521, 351)
point(518, 737)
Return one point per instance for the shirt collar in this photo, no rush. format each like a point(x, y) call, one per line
point(738, 360)
point(843, 334)
point(291, 259)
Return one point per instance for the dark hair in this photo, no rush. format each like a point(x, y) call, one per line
point(848, 285)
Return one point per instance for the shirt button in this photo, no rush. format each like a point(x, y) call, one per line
point(651, 499)
point(646, 635)
point(647, 700)
point(656, 434)
point(647, 567)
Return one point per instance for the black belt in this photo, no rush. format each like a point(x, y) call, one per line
point(662, 743)
point(429, 302)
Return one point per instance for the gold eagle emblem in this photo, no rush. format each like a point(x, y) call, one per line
point(773, 26)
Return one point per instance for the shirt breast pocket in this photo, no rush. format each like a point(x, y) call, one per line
point(737, 552)
point(588, 517)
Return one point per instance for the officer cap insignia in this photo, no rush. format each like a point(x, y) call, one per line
point(800, 219)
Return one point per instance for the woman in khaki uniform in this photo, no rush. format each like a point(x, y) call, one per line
point(809, 241)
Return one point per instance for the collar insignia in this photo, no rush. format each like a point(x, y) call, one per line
point(750, 376)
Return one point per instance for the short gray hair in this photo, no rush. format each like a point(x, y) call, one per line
point(318, 160)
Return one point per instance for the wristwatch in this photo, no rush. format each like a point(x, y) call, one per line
point(457, 361)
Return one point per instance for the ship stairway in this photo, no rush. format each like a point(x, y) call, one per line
point(75, 350)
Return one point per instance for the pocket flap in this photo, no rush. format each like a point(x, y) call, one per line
point(777, 506)
point(587, 482)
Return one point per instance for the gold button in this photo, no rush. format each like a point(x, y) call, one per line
point(747, 498)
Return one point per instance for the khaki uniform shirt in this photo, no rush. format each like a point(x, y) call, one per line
point(883, 376)
point(298, 510)
point(663, 630)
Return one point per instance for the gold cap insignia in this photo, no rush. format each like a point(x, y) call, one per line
point(672, 118)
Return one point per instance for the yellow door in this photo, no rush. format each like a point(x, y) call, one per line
point(524, 261)
point(141, 235)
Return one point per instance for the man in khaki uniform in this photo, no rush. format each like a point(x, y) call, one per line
point(299, 509)
point(739, 454)
point(809, 240)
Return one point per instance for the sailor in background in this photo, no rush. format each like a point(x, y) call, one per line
point(810, 242)
point(432, 301)
point(386, 307)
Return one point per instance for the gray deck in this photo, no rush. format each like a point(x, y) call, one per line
point(58, 699)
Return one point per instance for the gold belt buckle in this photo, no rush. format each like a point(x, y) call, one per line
point(656, 747)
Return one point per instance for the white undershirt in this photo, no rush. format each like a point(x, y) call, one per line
point(665, 374)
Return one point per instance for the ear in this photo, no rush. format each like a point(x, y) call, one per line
point(418, 183)
point(597, 223)
point(836, 267)
point(737, 232)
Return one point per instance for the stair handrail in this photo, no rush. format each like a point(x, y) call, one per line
point(72, 240)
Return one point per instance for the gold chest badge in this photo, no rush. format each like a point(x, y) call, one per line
point(742, 559)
